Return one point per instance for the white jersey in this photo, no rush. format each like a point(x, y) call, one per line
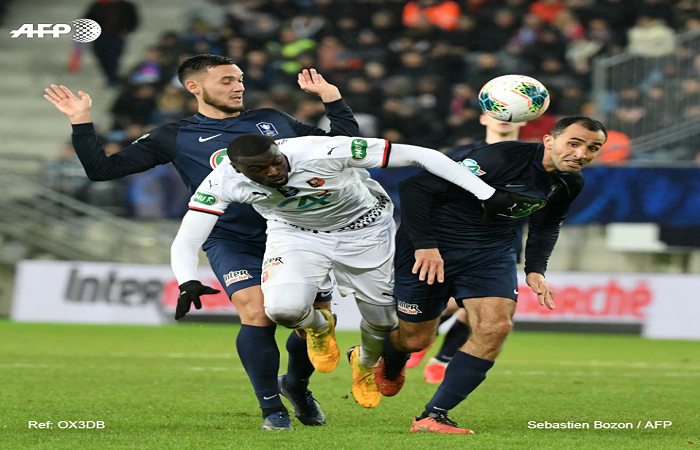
point(324, 192)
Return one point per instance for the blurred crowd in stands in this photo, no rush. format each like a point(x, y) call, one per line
point(411, 70)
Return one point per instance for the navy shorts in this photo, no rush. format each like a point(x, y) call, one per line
point(469, 273)
point(238, 264)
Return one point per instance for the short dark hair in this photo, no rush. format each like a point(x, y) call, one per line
point(249, 145)
point(201, 62)
point(585, 122)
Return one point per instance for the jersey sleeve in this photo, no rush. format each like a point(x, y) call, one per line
point(214, 194)
point(342, 120)
point(545, 224)
point(152, 149)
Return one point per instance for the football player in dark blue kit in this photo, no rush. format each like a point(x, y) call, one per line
point(445, 249)
point(457, 335)
point(235, 248)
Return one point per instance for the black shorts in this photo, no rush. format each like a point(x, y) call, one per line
point(469, 273)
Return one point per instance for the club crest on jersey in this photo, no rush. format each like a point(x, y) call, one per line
point(267, 129)
point(473, 166)
point(236, 276)
point(287, 191)
point(217, 157)
point(316, 182)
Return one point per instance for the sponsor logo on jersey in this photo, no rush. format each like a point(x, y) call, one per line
point(205, 199)
point(217, 157)
point(316, 182)
point(358, 148)
point(272, 262)
point(265, 276)
point(409, 308)
point(288, 191)
point(236, 276)
point(473, 166)
point(267, 129)
point(307, 201)
point(142, 137)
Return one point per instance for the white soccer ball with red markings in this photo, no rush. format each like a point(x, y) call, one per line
point(514, 98)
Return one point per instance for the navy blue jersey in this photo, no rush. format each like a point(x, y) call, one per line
point(438, 214)
point(196, 145)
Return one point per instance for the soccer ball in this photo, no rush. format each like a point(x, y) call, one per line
point(514, 98)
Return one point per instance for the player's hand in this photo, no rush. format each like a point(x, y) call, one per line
point(507, 204)
point(77, 109)
point(430, 264)
point(539, 286)
point(189, 293)
point(311, 81)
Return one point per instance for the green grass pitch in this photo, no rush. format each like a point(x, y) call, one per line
point(182, 386)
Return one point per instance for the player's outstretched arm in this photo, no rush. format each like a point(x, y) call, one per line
point(77, 109)
point(539, 286)
point(184, 257)
point(313, 82)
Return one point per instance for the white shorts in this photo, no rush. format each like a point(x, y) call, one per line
point(362, 260)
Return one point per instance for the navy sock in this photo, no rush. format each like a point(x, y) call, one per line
point(260, 356)
point(464, 374)
point(455, 338)
point(299, 367)
point(394, 360)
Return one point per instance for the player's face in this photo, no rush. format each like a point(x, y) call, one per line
point(222, 88)
point(572, 150)
point(269, 169)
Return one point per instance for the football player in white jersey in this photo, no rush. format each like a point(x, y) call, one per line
point(322, 214)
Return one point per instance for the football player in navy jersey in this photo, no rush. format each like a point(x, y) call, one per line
point(443, 238)
point(235, 247)
point(457, 335)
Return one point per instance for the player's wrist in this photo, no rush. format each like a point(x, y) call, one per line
point(489, 192)
point(80, 118)
point(331, 95)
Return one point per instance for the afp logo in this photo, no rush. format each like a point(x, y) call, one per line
point(84, 30)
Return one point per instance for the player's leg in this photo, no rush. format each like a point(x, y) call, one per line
point(417, 357)
point(455, 338)
point(296, 259)
point(363, 266)
point(377, 320)
point(238, 267)
point(418, 308)
point(490, 320)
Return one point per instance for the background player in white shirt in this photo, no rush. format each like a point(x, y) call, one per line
point(322, 214)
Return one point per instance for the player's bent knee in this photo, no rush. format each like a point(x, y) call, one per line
point(288, 304)
point(289, 318)
point(416, 342)
point(497, 330)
